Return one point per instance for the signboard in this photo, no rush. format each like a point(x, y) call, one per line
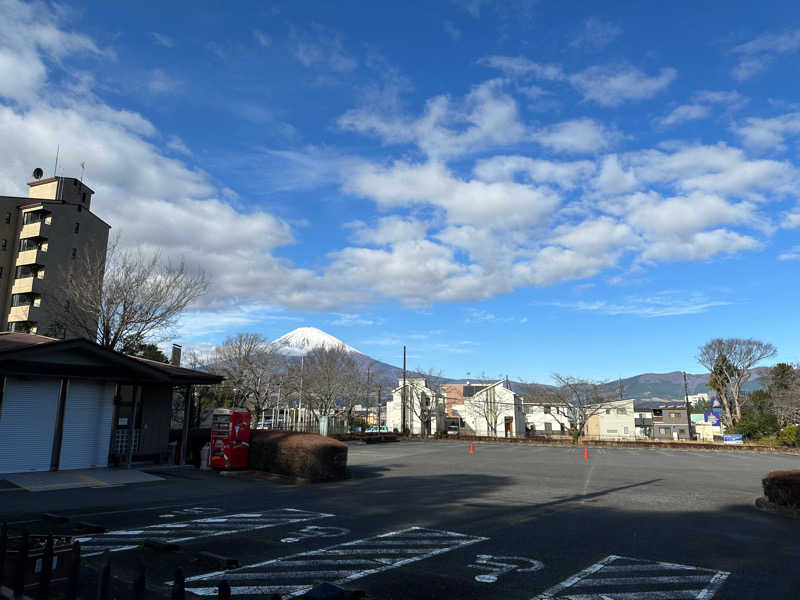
point(732, 438)
point(715, 403)
point(711, 417)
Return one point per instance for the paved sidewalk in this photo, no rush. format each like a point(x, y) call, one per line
point(78, 478)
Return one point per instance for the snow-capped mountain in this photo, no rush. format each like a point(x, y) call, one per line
point(303, 340)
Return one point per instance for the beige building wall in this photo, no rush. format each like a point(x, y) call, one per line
point(43, 240)
point(613, 421)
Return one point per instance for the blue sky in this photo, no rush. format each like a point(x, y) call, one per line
point(520, 188)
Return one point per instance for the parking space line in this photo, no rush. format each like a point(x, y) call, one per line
point(118, 541)
point(296, 574)
point(623, 578)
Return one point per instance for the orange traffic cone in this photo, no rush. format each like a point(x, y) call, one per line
point(471, 448)
point(585, 453)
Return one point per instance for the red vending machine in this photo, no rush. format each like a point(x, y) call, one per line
point(230, 438)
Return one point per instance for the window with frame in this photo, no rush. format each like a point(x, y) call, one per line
point(74, 252)
point(8, 217)
point(663, 430)
point(548, 428)
point(621, 411)
point(547, 410)
point(3, 244)
point(77, 227)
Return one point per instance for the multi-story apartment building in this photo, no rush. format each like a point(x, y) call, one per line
point(47, 239)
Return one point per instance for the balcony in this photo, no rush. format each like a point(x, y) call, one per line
point(26, 312)
point(37, 229)
point(31, 257)
point(640, 422)
point(26, 285)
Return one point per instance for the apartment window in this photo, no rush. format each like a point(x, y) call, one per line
point(626, 431)
point(608, 411)
point(4, 244)
point(8, 217)
point(29, 244)
point(663, 430)
point(611, 431)
point(621, 411)
point(77, 227)
point(673, 415)
point(547, 410)
point(74, 252)
point(20, 300)
point(84, 197)
point(548, 428)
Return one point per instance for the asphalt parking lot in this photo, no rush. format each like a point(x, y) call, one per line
point(430, 520)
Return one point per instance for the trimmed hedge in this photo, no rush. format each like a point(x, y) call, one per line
point(302, 455)
point(782, 488)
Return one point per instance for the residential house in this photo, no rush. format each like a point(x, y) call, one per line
point(492, 410)
point(546, 419)
point(613, 420)
point(416, 407)
point(707, 427)
point(670, 420)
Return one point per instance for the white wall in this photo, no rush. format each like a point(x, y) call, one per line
point(537, 418)
point(508, 405)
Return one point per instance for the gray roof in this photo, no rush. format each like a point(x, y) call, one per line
point(651, 404)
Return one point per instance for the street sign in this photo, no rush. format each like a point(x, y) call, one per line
point(732, 438)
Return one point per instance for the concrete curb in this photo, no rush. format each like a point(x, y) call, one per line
point(765, 505)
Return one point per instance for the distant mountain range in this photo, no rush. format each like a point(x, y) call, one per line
point(667, 386)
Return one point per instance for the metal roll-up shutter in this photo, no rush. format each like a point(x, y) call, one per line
point(87, 425)
point(27, 421)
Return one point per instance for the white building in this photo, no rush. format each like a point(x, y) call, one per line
point(424, 410)
point(542, 418)
point(614, 420)
point(493, 411)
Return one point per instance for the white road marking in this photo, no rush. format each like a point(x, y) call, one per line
point(118, 541)
point(496, 568)
point(636, 579)
point(313, 531)
point(294, 575)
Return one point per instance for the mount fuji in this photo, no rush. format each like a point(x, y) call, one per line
point(303, 340)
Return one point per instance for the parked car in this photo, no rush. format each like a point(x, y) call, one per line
point(376, 429)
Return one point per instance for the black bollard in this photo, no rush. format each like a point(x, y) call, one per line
point(179, 586)
point(22, 563)
point(3, 546)
point(140, 584)
point(104, 580)
point(47, 569)
point(74, 572)
point(224, 590)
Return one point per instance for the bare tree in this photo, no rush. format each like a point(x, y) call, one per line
point(328, 375)
point(487, 407)
point(252, 367)
point(206, 397)
point(581, 400)
point(134, 297)
point(729, 362)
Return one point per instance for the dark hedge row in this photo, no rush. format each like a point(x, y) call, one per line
point(782, 488)
point(302, 455)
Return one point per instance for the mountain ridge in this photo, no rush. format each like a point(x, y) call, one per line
point(666, 386)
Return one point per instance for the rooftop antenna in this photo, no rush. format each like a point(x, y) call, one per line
point(55, 169)
point(83, 168)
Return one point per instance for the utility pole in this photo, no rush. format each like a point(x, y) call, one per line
point(688, 408)
point(403, 396)
point(300, 402)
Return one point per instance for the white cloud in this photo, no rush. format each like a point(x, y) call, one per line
point(663, 304)
point(262, 38)
point(389, 230)
point(175, 143)
point(451, 30)
point(613, 85)
point(162, 40)
point(607, 85)
point(793, 254)
point(487, 116)
point(500, 204)
point(596, 34)
point(613, 179)
point(31, 38)
point(161, 83)
point(769, 134)
point(354, 319)
point(322, 47)
point(504, 168)
point(759, 53)
point(579, 136)
point(686, 112)
point(792, 220)
point(479, 315)
point(699, 246)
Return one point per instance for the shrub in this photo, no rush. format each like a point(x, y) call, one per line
point(789, 435)
point(782, 488)
point(304, 455)
point(754, 426)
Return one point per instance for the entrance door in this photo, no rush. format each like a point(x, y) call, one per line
point(509, 424)
point(27, 422)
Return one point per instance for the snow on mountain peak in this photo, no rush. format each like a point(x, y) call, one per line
point(303, 340)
